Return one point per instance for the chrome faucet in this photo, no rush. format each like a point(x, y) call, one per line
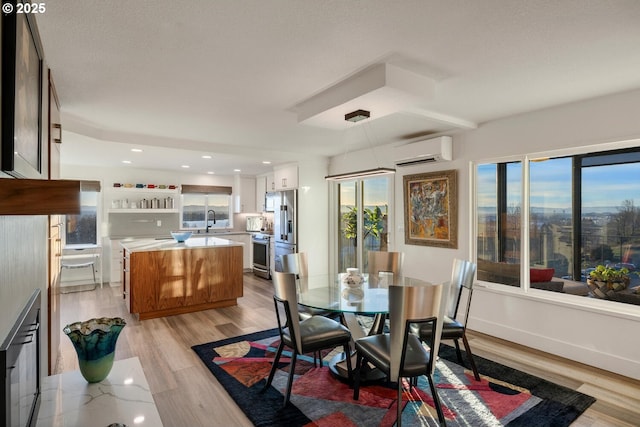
point(211, 211)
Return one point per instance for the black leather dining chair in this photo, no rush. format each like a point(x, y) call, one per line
point(385, 268)
point(311, 335)
point(454, 326)
point(400, 353)
point(297, 263)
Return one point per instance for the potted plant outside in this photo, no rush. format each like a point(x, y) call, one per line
point(604, 281)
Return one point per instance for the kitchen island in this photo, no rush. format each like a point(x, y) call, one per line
point(164, 277)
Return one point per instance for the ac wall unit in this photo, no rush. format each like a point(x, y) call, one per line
point(427, 151)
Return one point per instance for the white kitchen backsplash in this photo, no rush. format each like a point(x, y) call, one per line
point(153, 224)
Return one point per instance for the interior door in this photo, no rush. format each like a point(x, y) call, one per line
point(363, 219)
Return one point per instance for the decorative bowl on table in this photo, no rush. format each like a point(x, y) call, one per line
point(180, 236)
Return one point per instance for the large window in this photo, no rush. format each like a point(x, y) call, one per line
point(582, 212)
point(205, 207)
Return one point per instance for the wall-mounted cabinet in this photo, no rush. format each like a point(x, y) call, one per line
point(286, 178)
point(271, 182)
point(244, 194)
point(132, 200)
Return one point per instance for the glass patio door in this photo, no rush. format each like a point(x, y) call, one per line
point(363, 220)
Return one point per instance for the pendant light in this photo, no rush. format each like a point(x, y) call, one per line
point(356, 116)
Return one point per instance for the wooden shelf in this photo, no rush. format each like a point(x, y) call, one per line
point(39, 197)
point(144, 190)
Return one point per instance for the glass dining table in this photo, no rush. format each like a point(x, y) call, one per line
point(369, 298)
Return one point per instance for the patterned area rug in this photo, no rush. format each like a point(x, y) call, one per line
point(503, 397)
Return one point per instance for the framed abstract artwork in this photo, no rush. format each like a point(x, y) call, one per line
point(21, 153)
point(431, 209)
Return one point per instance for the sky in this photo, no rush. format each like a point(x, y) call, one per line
point(376, 192)
point(602, 186)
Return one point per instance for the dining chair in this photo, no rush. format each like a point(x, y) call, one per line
point(307, 336)
point(454, 327)
point(385, 268)
point(384, 262)
point(297, 263)
point(400, 353)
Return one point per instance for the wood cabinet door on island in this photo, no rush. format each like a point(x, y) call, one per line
point(169, 282)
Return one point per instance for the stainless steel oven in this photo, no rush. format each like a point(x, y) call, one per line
point(261, 256)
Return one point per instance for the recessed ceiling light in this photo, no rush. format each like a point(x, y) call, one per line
point(136, 150)
point(210, 172)
point(126, 161)
point(186, 166)
point(266, 162)
point(237, 170)
point(206, 157)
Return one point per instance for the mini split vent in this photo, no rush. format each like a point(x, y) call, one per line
point(422, 152)
point(417, 161)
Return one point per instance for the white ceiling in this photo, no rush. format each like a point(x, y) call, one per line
point(228, 78)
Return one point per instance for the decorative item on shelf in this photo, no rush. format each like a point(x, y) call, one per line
point(180, 236)
point(604, 281)
point(353, 278)
point(117, 185)
point(128, 186)
point(95, 344)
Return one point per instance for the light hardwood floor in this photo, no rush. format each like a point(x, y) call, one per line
point(186, 393)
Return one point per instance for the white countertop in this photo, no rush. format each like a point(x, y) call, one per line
point(146, 245)
point(123, 397)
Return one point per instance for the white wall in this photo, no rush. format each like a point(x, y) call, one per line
point(313, 209)
point(594, 332)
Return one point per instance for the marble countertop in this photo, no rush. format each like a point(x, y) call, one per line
point(147, 245)
point(201, 233)
point(123, 397)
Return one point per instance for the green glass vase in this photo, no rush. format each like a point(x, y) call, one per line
point(95, 344)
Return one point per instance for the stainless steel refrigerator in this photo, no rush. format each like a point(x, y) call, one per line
point(285, 231)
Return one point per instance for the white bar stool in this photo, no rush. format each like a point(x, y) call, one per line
point(91, 264)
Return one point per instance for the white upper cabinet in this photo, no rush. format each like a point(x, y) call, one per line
point(286, 178)
point(244, 194)
point(271, 182)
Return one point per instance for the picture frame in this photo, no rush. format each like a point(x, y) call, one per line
point(21, 150)
point(431, 209)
